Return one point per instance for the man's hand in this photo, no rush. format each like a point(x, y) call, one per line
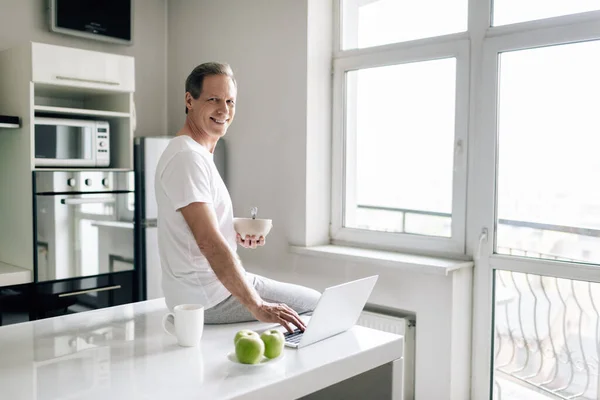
point(250, 242)
point(280, 313)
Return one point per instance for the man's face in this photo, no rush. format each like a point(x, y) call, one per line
point(213, 111)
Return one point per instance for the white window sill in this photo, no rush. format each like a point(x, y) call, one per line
point(389, 259)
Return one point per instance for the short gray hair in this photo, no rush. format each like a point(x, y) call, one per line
point(195, 79)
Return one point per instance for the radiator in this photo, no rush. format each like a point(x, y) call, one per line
point(400, 325)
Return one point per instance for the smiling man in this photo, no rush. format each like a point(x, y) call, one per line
point(196, 239)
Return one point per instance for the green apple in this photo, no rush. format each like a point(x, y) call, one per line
point(243, 332)
point(249, 348)
point(274, 342)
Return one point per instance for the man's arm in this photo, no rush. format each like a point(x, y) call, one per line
point(202, 221)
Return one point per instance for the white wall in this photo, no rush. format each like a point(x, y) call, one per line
point(265, 43)
point(26, 20)
point(278, 160)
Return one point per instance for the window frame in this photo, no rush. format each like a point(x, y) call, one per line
point(485, 42)
point(494, 41)
point(456, 46)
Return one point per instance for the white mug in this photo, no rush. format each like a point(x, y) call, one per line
point(189, 324)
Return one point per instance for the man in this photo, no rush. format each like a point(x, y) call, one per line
point(196, 239)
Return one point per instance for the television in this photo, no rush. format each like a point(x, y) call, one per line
point(107, 20)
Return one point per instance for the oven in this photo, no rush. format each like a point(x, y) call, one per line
point(83, 223)
point(84, 235)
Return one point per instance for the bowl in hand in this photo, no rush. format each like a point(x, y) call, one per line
point(248, 227)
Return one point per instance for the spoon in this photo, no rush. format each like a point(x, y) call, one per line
point(253, 212)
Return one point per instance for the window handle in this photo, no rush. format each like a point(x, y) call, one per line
point(458, 151)
point(483, 238)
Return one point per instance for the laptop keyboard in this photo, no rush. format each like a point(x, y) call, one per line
point(293, 337)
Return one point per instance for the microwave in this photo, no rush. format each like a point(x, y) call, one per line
point(61, 142)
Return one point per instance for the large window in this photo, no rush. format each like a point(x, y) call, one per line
point(401, 119)
point(393, 132)
point(545, 124)
point(533, 169)
point(503, 95)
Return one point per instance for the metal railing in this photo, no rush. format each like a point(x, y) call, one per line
point(501, 221)
point(404, 212)
point(547, 334)
point(547, 330)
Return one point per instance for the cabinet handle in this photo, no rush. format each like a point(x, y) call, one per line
point(74, 201)
point(90, 291)
point(68, 78)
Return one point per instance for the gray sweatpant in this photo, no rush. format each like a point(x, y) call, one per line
point(230, 310)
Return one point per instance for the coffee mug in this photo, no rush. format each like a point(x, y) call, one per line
point(188, 320)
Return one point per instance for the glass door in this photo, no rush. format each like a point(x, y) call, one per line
point(537, 296)
point(546, 328)
point(83, 235)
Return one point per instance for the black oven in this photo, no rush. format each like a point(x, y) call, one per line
point(84, 236)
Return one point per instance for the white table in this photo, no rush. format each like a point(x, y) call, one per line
point(123, 353)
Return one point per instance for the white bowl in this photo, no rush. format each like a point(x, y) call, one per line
point(248, 227)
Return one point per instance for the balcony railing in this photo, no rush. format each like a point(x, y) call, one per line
point(502, 221)
point(404, 212)
point(547, 330)
point(547, 333)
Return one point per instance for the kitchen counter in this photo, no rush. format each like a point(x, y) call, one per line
point(11, 275)
point(123, 353)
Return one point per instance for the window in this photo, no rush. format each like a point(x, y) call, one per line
point(536, 283)
point(393, 132)
point(411, 79)
point(513, 11)
point(548, 134)
point(368, 23)
point(400, 125)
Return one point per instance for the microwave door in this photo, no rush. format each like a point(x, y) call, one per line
point(64, 145)
point(74, 145)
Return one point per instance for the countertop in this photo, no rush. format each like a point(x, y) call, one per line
point(123, 353)
point(11, 275)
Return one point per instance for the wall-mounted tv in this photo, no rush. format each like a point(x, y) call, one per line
point(108, 20)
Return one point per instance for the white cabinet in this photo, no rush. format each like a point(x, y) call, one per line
point(81, 68)
point(37, 80)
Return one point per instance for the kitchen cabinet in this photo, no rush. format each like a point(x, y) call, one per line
point(22, 303)
point(56, 298)
point(81, 68)
point(15, 304)
point(42, 80)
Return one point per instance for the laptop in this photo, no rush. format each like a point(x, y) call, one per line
point(337, 311)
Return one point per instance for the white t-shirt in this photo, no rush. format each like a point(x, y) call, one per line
point(186, 173)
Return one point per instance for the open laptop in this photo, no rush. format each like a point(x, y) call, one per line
point(337, 311)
